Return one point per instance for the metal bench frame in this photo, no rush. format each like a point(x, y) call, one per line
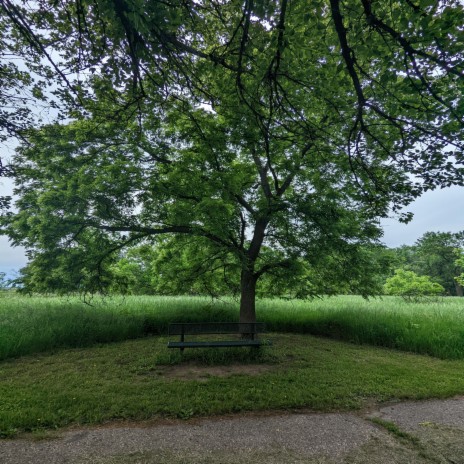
point(249, 331)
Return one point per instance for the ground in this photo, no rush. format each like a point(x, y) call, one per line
point(407, 432)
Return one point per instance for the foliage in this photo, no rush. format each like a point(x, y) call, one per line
point(278, 135)
point(460, 264)
point(26, 80)
point(69, 269)
point(182, 265)
point(411, 286)
point(433, 255)
point(193, 266)
point(13, 100)
point(133, 272)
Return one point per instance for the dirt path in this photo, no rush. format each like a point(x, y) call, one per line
point(403, 433)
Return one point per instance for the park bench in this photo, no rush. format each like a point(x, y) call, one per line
point(242, 334)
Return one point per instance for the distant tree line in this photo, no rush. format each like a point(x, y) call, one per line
point(435, 254)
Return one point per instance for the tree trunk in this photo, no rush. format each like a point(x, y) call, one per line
point(248, 276)
point(248, 295)
point(459, 289)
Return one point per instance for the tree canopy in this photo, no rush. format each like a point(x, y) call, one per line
point(273, 131)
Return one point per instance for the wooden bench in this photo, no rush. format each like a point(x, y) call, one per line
point(246, 334)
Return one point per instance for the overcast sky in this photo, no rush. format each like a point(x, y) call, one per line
point(437, 211)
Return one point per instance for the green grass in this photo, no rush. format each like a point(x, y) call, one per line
point(140, 379)
point(433, 328)
point(37, 324)
point(40, 324)
point(65, 362)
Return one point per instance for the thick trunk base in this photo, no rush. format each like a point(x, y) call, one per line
point(248, 297)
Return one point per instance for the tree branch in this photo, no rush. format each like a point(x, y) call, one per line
point(347, 52)
point(378, 24)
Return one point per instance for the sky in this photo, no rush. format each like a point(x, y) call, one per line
point(436, 211)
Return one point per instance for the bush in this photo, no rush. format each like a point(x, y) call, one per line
point(411, 286)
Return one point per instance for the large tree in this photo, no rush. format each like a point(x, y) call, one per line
point(259, 125)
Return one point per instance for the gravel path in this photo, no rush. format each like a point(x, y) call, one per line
point(433, 433)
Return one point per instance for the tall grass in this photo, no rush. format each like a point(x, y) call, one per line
point(435, 328)
point(35, 324)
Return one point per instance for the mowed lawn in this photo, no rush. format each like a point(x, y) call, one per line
point(140, 379)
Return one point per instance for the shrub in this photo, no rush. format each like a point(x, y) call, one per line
point(411, 286)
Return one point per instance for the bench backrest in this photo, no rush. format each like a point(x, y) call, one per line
point(194, 328)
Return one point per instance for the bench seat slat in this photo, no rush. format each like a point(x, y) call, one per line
point(230, 343)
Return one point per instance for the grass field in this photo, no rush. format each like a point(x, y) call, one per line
point(38, 324)
point(139, 380)
point(65, 362)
